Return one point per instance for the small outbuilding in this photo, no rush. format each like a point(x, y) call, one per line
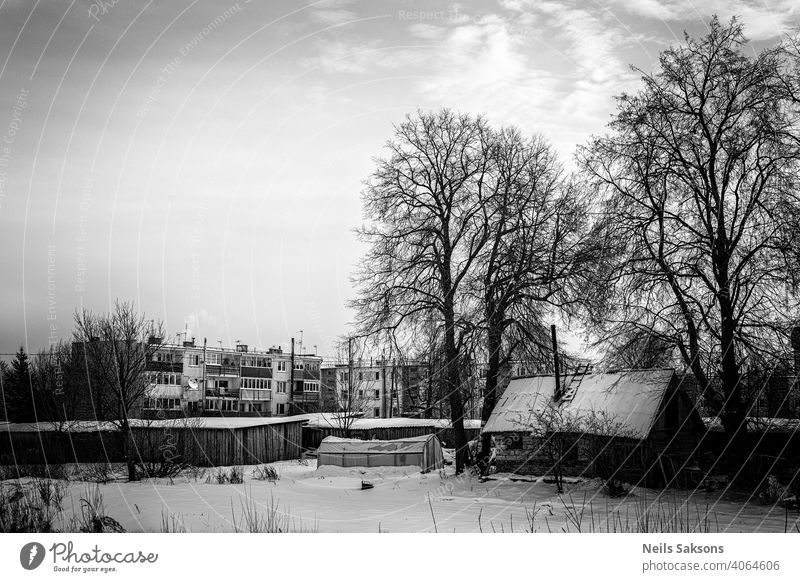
point(423, 451)
point(636, 425)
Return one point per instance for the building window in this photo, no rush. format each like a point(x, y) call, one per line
point(282, 366)
point(377, 375)
point(377, 412)
point(377, 394)
point(298, 365)
point(281, 409)
point(212, 359)
point(310, 387)
point(281, 387)
point(194, 360)
point(512, 441)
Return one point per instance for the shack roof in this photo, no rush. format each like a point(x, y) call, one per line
point(229, 423)
point(333, 444)
point(330, 420)
point(630, 397)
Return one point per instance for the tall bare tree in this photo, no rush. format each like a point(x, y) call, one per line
point(60, 387)
point(699, 212)
point(535, 222)
point(425, 207)
point(351, 396)
point(116, 347)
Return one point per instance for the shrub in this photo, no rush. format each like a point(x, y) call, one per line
point(93, 518)
point(265, 473)
point(236, 476)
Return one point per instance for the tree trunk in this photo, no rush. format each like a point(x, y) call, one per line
point(453, 386)
point(733, 414)
point(126, 449)
point(494, 344)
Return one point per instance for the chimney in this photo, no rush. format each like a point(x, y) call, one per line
point(795, 341)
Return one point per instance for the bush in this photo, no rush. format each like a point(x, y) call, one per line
point(93, 518)
point(236, 476)
point(33, 508)
point(96, 473)
point(265, 473)
point(160, 469)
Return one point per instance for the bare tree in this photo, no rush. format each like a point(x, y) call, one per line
point(116, 347)
point(61, 389)
point(535, 222)
point(351, 395)
point(700, 208)
point(425, 207)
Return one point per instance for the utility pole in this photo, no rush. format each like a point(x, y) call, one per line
point(291, 378)
point(557, 391)
point(383, 387)
point(392, 393)
point(205, 385)
point(349, 375)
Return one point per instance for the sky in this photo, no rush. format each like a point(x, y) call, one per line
point(205, 159)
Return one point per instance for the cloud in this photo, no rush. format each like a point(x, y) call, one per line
point(339, 57)
point(763, 19)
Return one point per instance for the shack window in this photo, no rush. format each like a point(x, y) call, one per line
point(511, 441)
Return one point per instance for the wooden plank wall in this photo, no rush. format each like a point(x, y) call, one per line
point(54, 447)
point(206, 447)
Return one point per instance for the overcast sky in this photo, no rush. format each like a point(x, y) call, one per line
point(205, 158)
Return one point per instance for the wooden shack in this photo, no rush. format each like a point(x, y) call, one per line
point(633, 425)
point(54, 443)
point(218, 441)
point(324, 425)
point(422, 451)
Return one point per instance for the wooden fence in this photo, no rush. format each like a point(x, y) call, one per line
point(212, 447)
point(195, 446)
point(58, 447)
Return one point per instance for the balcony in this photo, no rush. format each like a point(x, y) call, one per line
point(255, 394)
point(221, 370)
point(222, 392)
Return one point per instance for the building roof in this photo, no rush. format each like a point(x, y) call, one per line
point(332, 420)
point(333, 444)
point(215, 422)
point(208, 422)
point(68, 426)
point(629, 397)
point(758, 424)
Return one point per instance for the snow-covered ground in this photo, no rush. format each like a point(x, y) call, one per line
point(331, 499)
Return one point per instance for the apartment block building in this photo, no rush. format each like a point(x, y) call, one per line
point(377, 389)
point(195, 380)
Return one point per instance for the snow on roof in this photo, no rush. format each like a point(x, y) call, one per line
point(229, 423)
point(333, 444)
point(68, 426)
point(215, 422)
point(630, 397)
point(758, 424)
point(334, 420)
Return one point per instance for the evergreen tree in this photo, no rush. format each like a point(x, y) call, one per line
point(18, 390)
